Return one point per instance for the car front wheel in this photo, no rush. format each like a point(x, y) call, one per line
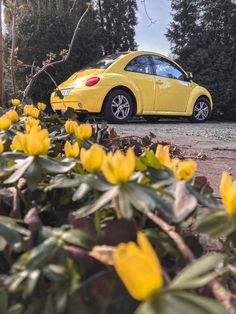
point(201, 110)
point(118, 107)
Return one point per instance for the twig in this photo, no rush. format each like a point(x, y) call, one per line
point(220, 293)
point(183, 248)
point(63, 60)
point(13, 47)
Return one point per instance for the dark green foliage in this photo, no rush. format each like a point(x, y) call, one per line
point(44, 30)
point(203, 38)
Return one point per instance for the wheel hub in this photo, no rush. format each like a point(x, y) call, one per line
point(120, 107)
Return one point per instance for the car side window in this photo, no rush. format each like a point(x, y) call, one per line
point(165, 68)
point(140, 64)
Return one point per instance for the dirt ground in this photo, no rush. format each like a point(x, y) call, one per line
point(212, 144)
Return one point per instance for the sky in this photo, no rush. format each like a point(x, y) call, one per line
point(151, 37)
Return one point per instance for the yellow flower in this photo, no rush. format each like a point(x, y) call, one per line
point(70, 126)
point(41, 106)
point(5, 123)
point(1, 145)
point(185, 170)
point(17, 143)
point(12, 115)
point(163, 154)
point(31, 123)
point(93, 158)
point(15, 102)
point(139, 268)
point(31, 111)
point(118, 168)
point(228, 193)
point(34, 143)
point(83, 132)
point(71, 151)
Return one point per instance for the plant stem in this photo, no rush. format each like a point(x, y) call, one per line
point(116, 206)
point(226, 261)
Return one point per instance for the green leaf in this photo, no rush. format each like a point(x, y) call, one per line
point(34, 175)
point(63, 182)
point(124, 204)
point(8, 232)
point(3, 300)
point(81, 192)
point(217, 224)
point(104, 200)
point(56, 273)
point(31, 283)
point(179, 303)
point(41, 255)
point(20, 168)
point(79, 238)
point(190, 276)
point(55, 166)
point(145, 199)
point(15, 309)
point(14, 156)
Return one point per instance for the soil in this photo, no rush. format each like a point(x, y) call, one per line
point(211, 144)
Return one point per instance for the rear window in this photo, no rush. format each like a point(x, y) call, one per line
point(106, 61)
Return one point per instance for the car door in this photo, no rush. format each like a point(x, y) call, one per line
point(140, 71)
point(172, 89)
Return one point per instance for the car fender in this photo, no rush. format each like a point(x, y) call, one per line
point(110, 81)
point(198, 91)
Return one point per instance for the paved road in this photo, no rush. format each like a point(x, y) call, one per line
point(216, 140)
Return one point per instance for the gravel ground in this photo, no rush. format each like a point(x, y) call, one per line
point(214, 141)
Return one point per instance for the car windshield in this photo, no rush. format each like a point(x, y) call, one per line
point(105, 62)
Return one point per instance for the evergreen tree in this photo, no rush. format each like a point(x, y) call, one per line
point(202, 35)
point(118, 20)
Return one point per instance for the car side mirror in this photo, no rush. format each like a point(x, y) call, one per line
point(190, 76)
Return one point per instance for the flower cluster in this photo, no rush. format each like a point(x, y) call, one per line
point(34, 143)
point(183, 170)
point(31, 111)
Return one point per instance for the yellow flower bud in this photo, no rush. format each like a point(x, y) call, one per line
point(15, 102)
point(31, 123)
point(17, 143)
point(70, 126)
point(93, 159)
point(139, 268)
point(31, 111)
point(185, 170)
point(41, 106)
point(5, 123)
point(163, 154)
point(12, 115)
point(1, 146)
point(228, 193)
point(83, 132)
point(118, 168)
point(71, 151)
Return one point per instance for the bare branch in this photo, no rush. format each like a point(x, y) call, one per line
point(63, 60)
point(147, 14)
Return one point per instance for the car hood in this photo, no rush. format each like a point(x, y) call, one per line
point(79, 77)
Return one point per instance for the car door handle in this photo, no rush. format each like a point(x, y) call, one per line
point(159, 82)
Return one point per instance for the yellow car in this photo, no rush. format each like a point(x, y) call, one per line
point(129, 84)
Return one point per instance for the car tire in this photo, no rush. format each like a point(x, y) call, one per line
point(118, 107)
point(201, 110)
